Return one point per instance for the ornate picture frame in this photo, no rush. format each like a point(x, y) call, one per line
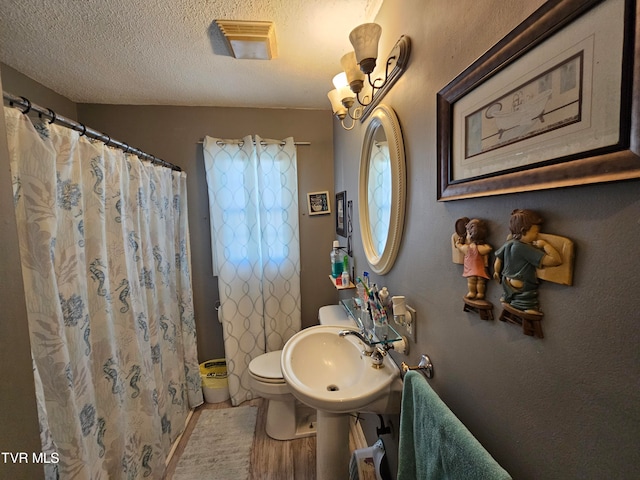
point(553, 104)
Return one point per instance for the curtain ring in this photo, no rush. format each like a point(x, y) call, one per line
point(84, 130)
point(52, 114)
point(126, 150)
point(108, 140)
point(26, 100)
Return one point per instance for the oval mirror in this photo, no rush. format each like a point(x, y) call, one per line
point(382, 189)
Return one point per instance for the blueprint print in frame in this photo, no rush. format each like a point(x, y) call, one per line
point(550, 101)
point(551, 105)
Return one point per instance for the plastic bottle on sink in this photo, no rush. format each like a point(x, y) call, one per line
point(336, 260)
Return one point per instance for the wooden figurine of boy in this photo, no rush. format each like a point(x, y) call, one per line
point(517, 260)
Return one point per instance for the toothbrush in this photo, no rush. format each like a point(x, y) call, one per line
point(366, 289)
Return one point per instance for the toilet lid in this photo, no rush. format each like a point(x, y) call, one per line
point(267, 365)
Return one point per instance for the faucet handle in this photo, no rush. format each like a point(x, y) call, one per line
point(367, 349)
point(377, 358)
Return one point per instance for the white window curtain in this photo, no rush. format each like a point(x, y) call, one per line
point(104, 245)
point(253, 203)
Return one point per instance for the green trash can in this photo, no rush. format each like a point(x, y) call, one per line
point(215, 385)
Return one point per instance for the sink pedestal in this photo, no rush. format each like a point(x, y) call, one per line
point(332, 446)
point(325, 369)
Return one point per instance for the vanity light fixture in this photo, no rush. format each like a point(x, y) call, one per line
point(342, 99)
point(360, 63)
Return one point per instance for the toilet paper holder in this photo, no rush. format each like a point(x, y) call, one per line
point(425, 366)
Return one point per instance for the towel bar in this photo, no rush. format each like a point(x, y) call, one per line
point(425, 366)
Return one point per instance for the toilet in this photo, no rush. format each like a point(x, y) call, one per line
point(287, 418)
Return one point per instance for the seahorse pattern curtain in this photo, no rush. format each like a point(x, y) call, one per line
point(106, 266)
point(253, 203)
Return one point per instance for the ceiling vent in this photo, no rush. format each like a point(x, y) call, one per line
point(256, 40)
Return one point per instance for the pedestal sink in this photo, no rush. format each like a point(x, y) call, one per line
point(330, 373)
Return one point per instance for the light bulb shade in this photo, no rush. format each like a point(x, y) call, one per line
point(355, 77)
point(340, 80)
point(344, 92)
point(350, 67)
point(365, 40)
point(336, 104)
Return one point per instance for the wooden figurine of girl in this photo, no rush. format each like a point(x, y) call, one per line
point(471, 241)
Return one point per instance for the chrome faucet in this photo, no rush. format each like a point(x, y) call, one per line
point(377, 352)
point(369, 347)
point(344, 333)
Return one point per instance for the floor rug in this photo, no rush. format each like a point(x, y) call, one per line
point(219, 447)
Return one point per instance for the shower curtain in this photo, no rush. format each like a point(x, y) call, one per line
point(253, 203)
point(106, 267)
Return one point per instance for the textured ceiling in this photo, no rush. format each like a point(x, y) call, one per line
point(170, 52)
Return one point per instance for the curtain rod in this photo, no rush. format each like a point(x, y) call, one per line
point(263, 142)
point(27, 106)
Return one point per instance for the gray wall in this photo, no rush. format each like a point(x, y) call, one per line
point(568, 405)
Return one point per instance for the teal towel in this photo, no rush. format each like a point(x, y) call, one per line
point(434, 444)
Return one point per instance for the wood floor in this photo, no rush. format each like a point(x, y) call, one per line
point(271, 459)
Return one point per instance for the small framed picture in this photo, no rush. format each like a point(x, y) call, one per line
point(318, 203)
point(341, 217)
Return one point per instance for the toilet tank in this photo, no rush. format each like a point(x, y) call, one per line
point(335, 315)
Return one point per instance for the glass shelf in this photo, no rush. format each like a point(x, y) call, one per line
point(354, 310)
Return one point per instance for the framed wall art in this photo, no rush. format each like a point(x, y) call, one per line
point(318, 203)
point(341, 213)
point(553, 104)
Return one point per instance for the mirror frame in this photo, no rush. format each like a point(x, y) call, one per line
point(383, 116)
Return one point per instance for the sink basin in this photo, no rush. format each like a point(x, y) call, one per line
point(329, 373)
